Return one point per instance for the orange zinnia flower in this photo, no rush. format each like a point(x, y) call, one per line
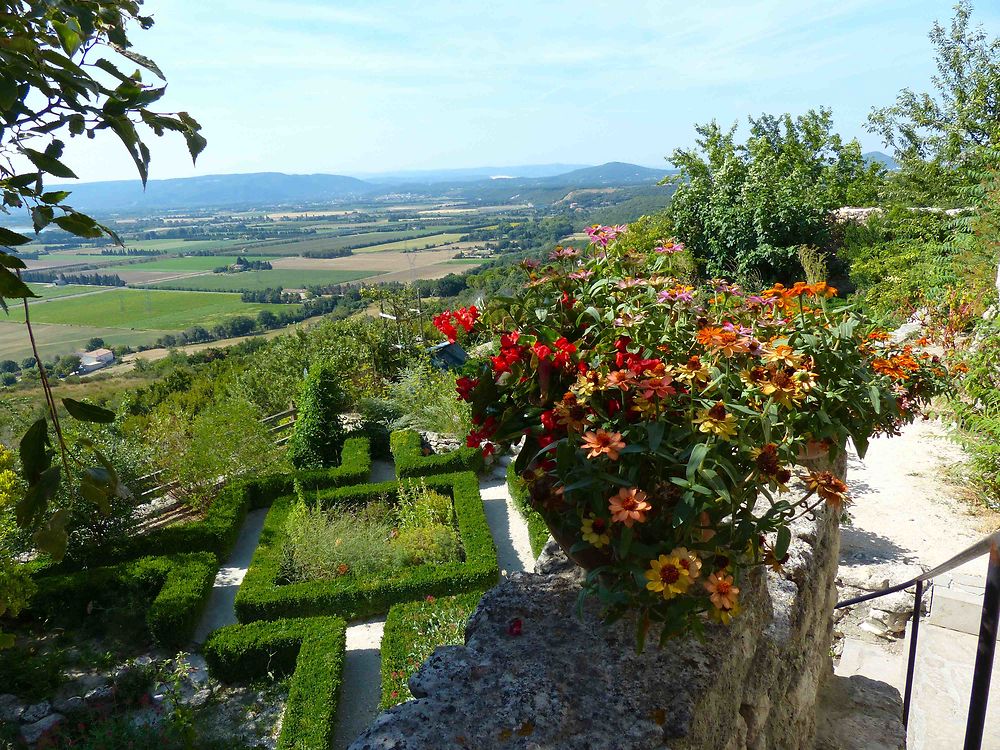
point(601, 442)
point(829, 487)
point(629, 506)
point(721, 590)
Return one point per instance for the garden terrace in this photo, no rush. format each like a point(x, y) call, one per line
point(262, 597)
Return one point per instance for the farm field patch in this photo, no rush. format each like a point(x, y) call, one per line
point(256, 280)
point(186, 263)
point(384, 262)
point(62, 339)
point(49, 291)
point(414, 244)
point(144, 309)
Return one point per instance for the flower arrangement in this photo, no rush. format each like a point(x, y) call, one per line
point(664, 420)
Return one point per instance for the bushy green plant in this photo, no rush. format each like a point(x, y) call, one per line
point(417, 505)
point(318, 435)
point(742, 209)
point(411, 462)
point(322, 545)
point(432, 543)
point(227, 441)
point(424, 397)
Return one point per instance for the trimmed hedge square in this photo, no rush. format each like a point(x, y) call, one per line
point(309, 649)
point(217, 532)
point(261, 597)
point(411, 462)
point(538, 531)
point(184, 582)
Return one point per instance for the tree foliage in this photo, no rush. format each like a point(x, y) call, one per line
point(318, 434)
point(743, 208)
point(934, 134)
point(61, 74)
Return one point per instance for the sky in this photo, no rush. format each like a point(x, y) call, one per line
point(356, 87)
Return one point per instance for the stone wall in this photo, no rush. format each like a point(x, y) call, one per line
point(534, 675)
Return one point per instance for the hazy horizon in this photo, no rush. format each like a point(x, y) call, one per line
point(357, 90)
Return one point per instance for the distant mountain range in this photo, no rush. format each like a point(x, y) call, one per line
point(536, 182)
point(884, 159)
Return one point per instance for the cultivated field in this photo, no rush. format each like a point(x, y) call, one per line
point(185, 263)
point(257, 280)
point(143, 309)
point(416, 243)
point(64, 339)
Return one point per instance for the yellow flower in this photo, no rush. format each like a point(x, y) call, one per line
point(783, 387)
point(583, 388)
point(717, 421)
point(725, 616)
point(694, 372)
point(784, 354)
point(668, 576)
point(595, 531)
point(688, 560)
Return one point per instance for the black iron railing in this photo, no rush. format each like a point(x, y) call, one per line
point(989, 545)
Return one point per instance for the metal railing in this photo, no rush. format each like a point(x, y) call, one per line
point(988, 545)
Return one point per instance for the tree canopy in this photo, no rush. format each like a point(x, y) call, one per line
point(744, 208)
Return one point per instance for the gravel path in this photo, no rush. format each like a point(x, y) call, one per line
point(905, 510)
point(220, 608)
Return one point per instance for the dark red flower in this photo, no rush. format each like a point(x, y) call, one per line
point(515, 627)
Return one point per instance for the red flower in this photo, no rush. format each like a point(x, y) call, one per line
point(540, 350)
point(443, 323)
point(465, 386)
point(515, 627)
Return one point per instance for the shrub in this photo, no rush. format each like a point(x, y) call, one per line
point(261, 596)
point(227, 440)
point(218, 530)
point(310, 650)
point(182, 582)
point(318, 435)
point(419, 506)
point(434, 543)
point(424, 396)
point(321, 545)
point(411, 462)
point(412, 632)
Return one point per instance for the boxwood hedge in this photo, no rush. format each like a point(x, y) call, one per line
point(218, 530)
point(411, 462)
point(183, 581)
point(412, 631)
point(262, 597)
point(309, 649)
point(538, 531)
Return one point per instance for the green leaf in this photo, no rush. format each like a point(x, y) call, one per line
point(48, 164)
point(12, 239)
point(698, 454)
point(876, 398)
point(52, 538)
point(35, 451)
point(141, 60)
point(69, 36)
point(11, 287)
point(55, 196)
point(36, 497)
point(10, 261)
point(98, 485)
point(655, 432)
point(88, 412)
point(41, 217)
point(196, 143)
point(79, 224)
point(782, 542)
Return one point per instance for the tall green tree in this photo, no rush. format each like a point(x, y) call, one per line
point(318, 435)
point(940, 136)
point(744, 208)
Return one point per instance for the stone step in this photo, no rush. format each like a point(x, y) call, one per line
point(873, 661)
point(942, 683)
point(956, 609)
